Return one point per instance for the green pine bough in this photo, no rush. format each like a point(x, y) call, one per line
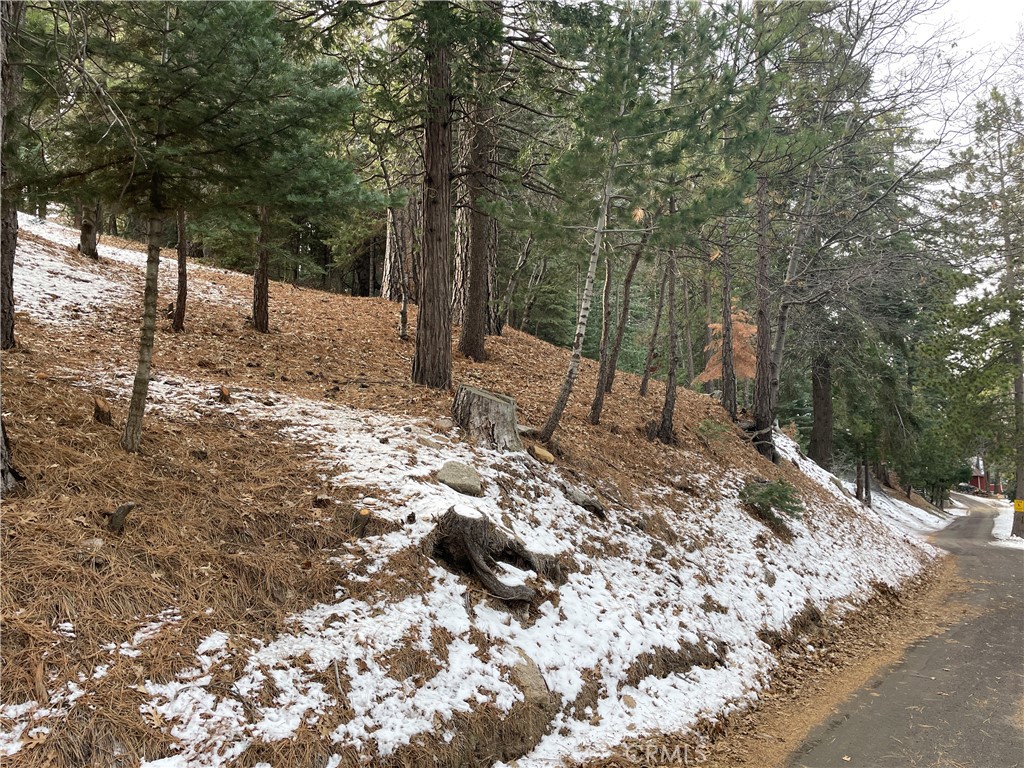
point(766, 499)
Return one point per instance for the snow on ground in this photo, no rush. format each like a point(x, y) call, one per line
point(713, 588)
point(80, 283)
point(1003, 524)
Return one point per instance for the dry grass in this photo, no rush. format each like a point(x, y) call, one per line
point(226, 531)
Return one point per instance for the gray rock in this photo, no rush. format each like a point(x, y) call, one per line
point(581, 499)
point(527, 677)
point(461, 477)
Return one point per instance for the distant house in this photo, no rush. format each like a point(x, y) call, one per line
point(980, 479)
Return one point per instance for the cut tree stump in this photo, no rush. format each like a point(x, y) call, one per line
point(475, 544)
point(101, 411)
point(360, 519)
point(487, 417)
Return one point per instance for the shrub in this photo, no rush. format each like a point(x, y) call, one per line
point(765, 500)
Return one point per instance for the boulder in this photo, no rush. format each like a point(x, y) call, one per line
point(461, 477)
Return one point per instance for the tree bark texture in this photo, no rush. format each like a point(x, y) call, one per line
point(627, 295)
point(728, 372)
point(261, 280)
point(666, 427)
point(687, 337)
point(432, 363)
point(709, 338)
point(652, 345)
point(594, 417)
point(804, 226)
point(585, 300)
point(482, 232)
point(131, 438)
point(487, 417)
point(88, 230)
point(764, 419)
point(398, 281)
point(475, 544)
point(178, 323)
point(820, 448)
point(513, 282)
point(11, 16)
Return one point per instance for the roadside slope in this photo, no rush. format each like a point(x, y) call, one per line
point(236, 622)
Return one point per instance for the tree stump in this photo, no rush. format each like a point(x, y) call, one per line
point(101, 411)
point(475, 544)
point(487, 417)
point(360, 520)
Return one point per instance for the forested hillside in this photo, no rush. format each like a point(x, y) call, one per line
point(251, 250)
point(768, 202)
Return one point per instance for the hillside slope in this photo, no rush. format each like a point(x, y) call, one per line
point(237, 622)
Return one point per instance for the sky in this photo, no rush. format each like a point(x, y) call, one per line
point(986, 22)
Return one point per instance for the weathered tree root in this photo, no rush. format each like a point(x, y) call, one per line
point(475, 544)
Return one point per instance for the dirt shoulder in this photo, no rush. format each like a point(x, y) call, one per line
point(818, 671)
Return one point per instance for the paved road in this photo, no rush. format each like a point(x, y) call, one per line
point(956, 700)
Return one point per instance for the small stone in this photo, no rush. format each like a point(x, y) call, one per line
point(658, 550)
point(322, 500)
point(541, 454)
point(629, 701)
point(461, 477)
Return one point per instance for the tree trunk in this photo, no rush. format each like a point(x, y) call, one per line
point(653, 344)
point(588, 291)
point(10, 477)
point(820, 449)
point(687, 338)
point(533, 290)
point(867, 481)
point(131, 439)
point(87, 234)
point(261, 280)
point(860, 481)
point(728, 373)
point(709, 338)
point(666, 428)
point(792, 270)
point(602, 353)
point(432, 364)
point(11, 16)
point(513, 280)
point(627, 288)
point(764, 418)
point(178, 323)
point(481, 231)
point(460, 260)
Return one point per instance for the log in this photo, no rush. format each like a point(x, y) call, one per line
point(475, 544)
point(101, 411)
point(487, 417)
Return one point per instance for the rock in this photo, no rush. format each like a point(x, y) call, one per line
point(589, 503)
point(443, 425)
point(541, 454)
point(658, 550)
point(322, 501)
point(629, 701)
point(461, 477)
point(527, 677)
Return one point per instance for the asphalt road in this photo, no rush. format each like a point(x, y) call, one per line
point(956, 700)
